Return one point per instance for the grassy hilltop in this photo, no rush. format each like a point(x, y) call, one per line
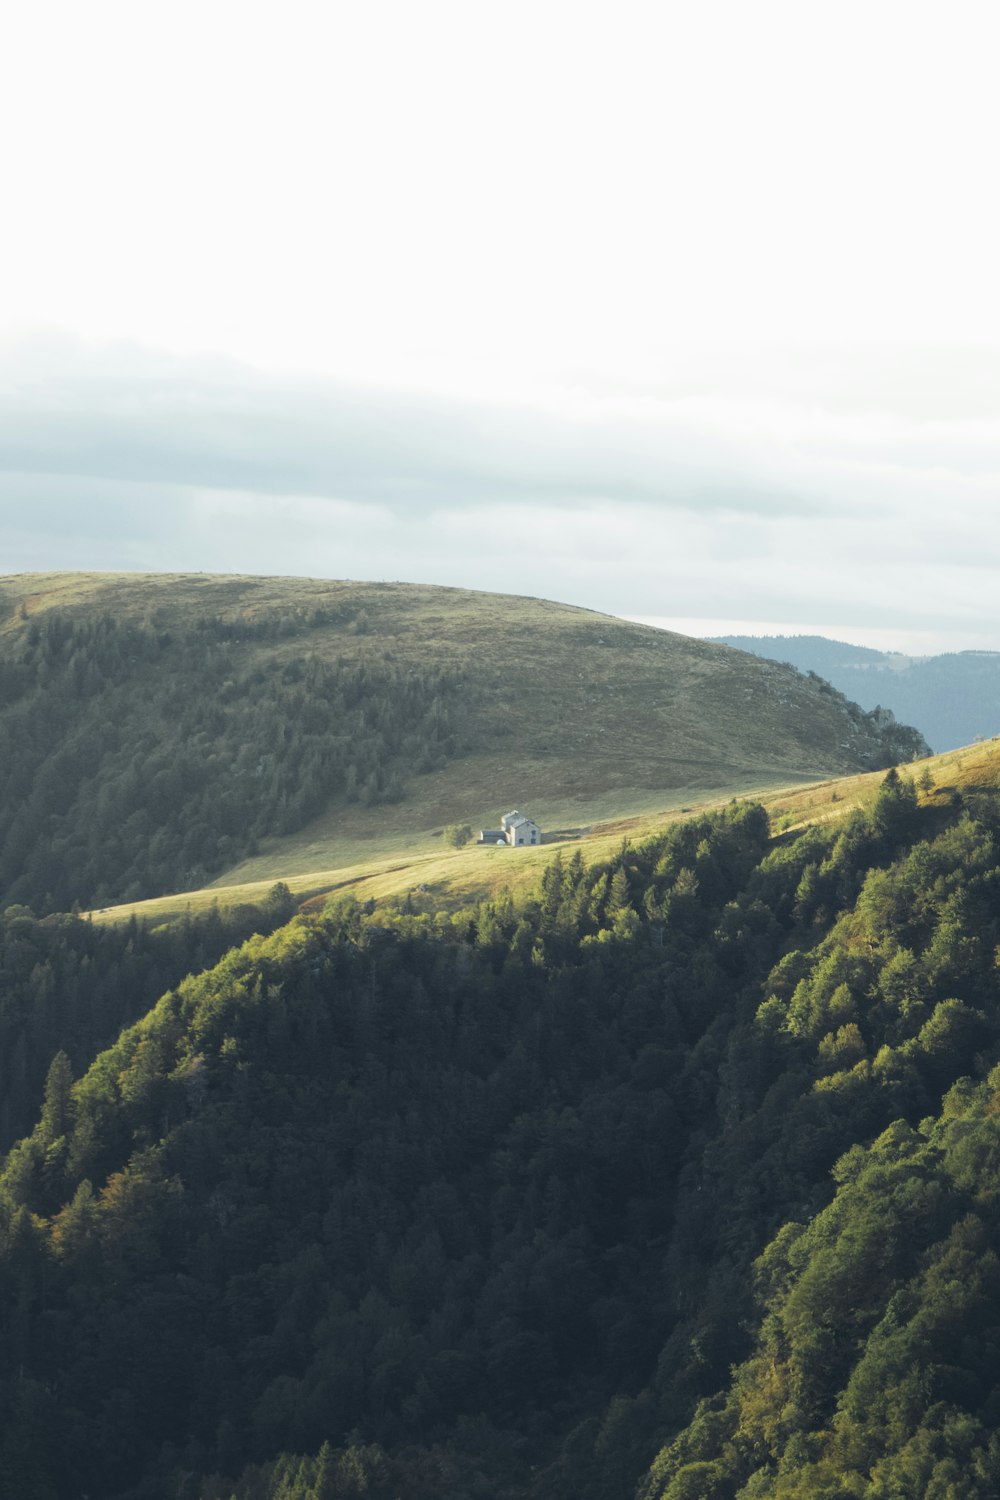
point(162, 731)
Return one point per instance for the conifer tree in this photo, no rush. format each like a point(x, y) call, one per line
point(325, 1487)
point(57, 1110)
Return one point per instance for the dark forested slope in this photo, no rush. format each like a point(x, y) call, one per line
point(70, 986)
point(139, 759)
point(154, 731)
point(416, 1205)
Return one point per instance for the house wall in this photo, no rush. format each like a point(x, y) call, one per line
point(524, 834)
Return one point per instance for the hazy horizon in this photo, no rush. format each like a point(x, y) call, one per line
point(640, 317)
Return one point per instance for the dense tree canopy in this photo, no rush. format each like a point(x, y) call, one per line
point(677, 1177)
point(67, 985)
point(138, 759)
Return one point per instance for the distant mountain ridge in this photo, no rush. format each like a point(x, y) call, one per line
point(953, 698)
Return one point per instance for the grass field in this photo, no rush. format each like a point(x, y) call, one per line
point(452, 877)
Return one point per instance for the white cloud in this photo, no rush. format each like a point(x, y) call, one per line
point(679, 497)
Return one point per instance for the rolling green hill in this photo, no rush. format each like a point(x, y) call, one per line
point(158, 732)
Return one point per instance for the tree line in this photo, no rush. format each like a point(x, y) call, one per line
point(139, 760)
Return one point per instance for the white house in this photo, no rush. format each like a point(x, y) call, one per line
point(514, 829)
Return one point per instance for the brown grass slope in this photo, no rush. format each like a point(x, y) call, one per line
point(572, 715)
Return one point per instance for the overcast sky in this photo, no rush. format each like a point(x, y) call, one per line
point(683, 312)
